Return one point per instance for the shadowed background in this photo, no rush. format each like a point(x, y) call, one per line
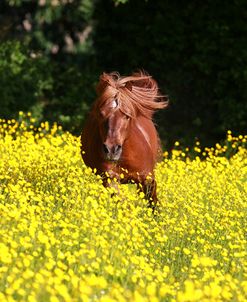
point(52, 53)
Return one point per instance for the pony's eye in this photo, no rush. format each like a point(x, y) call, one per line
point(127, 117)
point(106, 124)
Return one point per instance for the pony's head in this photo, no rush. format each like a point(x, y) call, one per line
point(120, 101)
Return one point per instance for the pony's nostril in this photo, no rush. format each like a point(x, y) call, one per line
point(106, 149)
point(111, 151)
point(117, 149)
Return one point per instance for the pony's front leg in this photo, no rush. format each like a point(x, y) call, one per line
point(111, 180)
point(148, 187)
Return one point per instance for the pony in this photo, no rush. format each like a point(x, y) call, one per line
point(119, 139)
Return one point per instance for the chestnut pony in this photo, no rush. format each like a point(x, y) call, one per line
point(119, 136)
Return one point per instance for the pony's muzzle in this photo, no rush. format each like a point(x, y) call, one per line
point(112, 153)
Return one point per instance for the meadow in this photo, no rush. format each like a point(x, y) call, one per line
point(64, 237)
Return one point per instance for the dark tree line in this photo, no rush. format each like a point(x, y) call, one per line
point(52, 52)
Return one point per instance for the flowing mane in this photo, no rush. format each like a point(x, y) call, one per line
point(135, 94)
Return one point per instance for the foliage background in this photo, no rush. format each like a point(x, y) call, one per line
point(52, 52)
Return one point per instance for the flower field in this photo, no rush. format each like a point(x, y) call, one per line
point(64, 237)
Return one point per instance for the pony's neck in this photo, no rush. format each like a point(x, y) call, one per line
point(143, 132)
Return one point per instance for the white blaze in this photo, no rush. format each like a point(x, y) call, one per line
point(114, 104)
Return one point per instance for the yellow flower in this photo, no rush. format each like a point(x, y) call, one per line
point(5, 255)
point(66, 237)
point(186, 251)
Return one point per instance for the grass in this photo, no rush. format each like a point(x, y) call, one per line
point(64, 237)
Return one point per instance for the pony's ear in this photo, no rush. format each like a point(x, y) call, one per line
point(104, 77)
point(107, 79)
point(103, 82)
